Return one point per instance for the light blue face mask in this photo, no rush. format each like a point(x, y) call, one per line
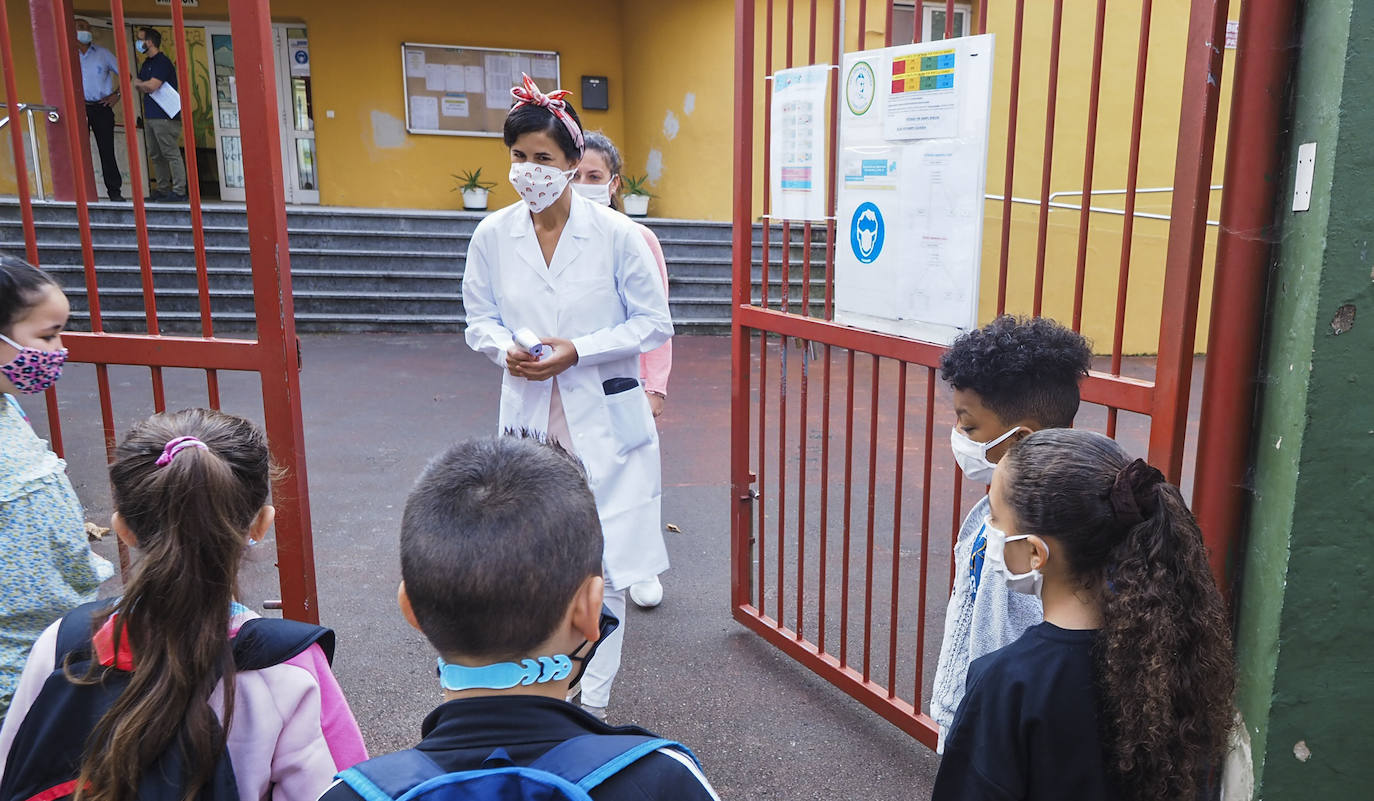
point(141, 45)
point(505, 675)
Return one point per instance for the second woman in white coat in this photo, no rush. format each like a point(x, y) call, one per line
point(581, 278)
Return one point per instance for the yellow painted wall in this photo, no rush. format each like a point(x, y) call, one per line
point(679, 63)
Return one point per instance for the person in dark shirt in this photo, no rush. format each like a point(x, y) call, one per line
point(162, 130)
point(500, 565)
point(1125, 691)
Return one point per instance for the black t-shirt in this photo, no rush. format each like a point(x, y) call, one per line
point(1028, 726)
point(459, 735)
point(160, 67)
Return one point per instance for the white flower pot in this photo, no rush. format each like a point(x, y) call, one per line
point(636, 205)
point(475, 199)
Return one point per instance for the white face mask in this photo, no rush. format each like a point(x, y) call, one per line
point(1029, 583)
point(539, 185)
point(84, 37)
point(596, 193)
point(972, 457)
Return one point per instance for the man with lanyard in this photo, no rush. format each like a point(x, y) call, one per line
point(163, 131)
point(99, 71)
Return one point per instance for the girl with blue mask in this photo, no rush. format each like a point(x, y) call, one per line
point(46, 568)
point(1124, 691)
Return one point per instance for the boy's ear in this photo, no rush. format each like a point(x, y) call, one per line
point(407, 611)
point(122, 530)
point(584, 614)
point(266, 516)
point(1024, 429)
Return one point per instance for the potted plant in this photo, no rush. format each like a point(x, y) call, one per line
point(637, 195)
point(474, 189)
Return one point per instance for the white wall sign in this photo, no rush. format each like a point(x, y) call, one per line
point(300, 57)
point(912, 169)
point(798, 168)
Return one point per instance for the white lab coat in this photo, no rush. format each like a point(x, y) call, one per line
point(603, 291)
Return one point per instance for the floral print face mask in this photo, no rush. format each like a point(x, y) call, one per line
point(33, 370)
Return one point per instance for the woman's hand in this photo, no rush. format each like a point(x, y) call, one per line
point(564, 356)
point(517, 356)
point(656, 402)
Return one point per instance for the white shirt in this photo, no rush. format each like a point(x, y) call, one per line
point(98, 72)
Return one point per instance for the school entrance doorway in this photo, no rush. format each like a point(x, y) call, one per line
point(215, 107)
point(844, 498)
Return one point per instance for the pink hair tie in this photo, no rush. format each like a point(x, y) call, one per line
point(529, 95)
point(170, 451)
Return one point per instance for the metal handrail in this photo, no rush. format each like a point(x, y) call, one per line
point(1098, 209)
point(28, 109)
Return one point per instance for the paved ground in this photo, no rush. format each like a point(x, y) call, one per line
point(377, 407)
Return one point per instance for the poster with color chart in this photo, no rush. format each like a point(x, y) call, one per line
point(453, 90)
point(798, 170)
point(912, 158)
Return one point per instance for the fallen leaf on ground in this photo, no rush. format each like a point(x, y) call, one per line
point(96, 533)
point(674, 529)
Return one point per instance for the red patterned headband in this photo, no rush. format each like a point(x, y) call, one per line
point(529, 95)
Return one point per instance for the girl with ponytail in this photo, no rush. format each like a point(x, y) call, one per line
point(1124, 692)
point(190, 492)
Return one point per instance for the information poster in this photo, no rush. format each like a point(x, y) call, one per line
point(465, 91)
point(798, 167)
point(912, 172)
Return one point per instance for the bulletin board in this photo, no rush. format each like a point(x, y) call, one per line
point(465, 91)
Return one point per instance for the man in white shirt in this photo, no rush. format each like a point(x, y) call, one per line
point(100, 82)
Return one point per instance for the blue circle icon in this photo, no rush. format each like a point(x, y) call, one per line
point(302, 57)
point(866, 233)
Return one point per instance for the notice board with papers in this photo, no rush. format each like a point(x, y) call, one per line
point(452, 90)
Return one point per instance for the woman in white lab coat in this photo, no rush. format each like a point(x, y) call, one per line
point(581, 278)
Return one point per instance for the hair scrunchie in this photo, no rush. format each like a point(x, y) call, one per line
point(527, 94)
point(1132, 494)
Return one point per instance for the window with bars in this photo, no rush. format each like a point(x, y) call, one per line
point(934, 17)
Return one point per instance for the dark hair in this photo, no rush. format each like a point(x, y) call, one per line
point(191, 518)
point(1165, 667)
point(537, 119)
point(22, 286)
point(1021, 368)
point(497, 536)
point(152, 35)
point(601, 143)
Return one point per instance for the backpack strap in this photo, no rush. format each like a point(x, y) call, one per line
point(263, 642)
point(590, 759)
point(386, 778)
point(75, 630)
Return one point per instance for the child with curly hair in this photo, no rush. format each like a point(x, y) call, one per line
point(1011, 377)
point(1124, 691)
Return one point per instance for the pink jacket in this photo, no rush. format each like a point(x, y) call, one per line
point(292, 729)
point(655, 365)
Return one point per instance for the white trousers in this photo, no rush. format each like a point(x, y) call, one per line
point(596, 682)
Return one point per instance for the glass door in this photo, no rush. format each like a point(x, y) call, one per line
point(228, 143)
point(298, 123)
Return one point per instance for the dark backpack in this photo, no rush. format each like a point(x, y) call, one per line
point(45, 759)
point(567, 772)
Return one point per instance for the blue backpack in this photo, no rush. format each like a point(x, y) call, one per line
point(567, 772)
point(45, 759)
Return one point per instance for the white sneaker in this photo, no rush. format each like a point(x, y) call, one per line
point(598, 712)
point(648, 593)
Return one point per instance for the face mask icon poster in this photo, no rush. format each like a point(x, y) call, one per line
point(912, 168)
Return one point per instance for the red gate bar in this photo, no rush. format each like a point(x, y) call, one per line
point(1004, 263)
point(1047, 164)
point(1263, 64)
point(1080, 275)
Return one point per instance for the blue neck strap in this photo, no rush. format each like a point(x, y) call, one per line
point(504, 675)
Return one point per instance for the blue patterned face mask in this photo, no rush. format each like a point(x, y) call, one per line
point(33, 370)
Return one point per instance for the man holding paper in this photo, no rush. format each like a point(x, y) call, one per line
point(157, 80)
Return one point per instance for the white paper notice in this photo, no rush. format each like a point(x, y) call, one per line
point(798, 165)
point(476, 81)
point(434, 77)
point(424, 113)
point(415, 63)
point(167, 98)
point(545, 68)
point(499, 81)
point(520, 67)
point(455, 80)
point(923, 103)
point(455, 106)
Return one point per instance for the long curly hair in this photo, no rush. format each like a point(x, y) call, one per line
point(1165, 667)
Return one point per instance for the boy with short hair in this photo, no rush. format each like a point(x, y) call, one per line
point(1011, 378)
point(501, 570)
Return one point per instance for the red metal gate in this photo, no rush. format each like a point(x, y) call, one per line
point(273, 354)
point(844, 504)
